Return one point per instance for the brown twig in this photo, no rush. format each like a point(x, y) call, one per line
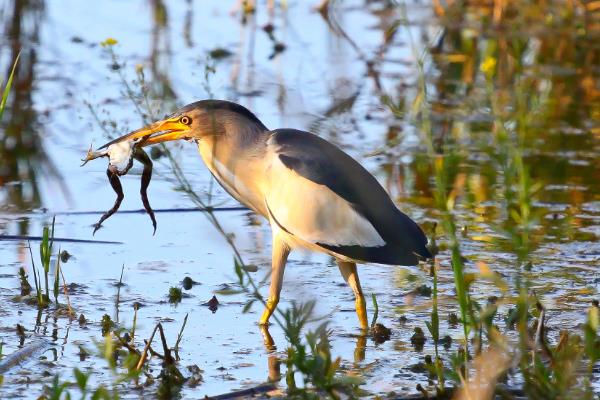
point(66, 291)
point(176, 348)
point(541, 333)
point(168, 358)
point(155, 353)
point(148, 348)
point(135, 310)
point(144, 355)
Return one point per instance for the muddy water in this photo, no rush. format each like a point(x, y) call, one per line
point(68, 85)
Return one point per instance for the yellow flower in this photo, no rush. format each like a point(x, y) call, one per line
point(488, 66)
point(109, 42)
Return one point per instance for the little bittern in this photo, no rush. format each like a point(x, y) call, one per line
point(314, 195)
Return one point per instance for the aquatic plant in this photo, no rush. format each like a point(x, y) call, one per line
point(175, 295)
point(516, 107)
point(312, 359)
point(126, 363)
point(441, 162)
point(433, 325)
point(46, 252)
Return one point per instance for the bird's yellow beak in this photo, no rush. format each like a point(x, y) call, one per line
point(158, 132)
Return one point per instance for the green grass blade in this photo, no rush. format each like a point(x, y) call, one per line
point(8, 86)
point(45, 256)
point(57, 279)
point(375, 310)
point(52, 233)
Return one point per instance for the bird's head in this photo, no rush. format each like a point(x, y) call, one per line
point(194, 122)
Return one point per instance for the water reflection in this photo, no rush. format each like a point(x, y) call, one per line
point(274, 360)
point(160, 55)
point(24, 160)
point(542, 87)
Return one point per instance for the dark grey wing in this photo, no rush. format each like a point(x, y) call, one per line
point(325, 164)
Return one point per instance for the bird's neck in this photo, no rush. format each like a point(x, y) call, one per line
point(236, 160)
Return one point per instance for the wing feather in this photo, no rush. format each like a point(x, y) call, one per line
point(343, 205)
point(314, 213)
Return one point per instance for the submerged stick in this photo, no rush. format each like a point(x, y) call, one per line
point(66, 240)
point(260, 390)
point(27, 353)
point(156, 210)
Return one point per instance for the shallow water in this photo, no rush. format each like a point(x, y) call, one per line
point(320, 82)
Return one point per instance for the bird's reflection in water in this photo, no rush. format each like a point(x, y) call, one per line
point(360, 349)
point(274, 362)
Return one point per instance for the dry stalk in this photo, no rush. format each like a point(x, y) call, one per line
point(147, 349)
point(488, 367)
point(66, 291)
point(144, 355)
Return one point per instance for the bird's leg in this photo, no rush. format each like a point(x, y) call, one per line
point(350, 274)
point(280, 254)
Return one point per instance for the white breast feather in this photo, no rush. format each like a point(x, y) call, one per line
point(315, 213)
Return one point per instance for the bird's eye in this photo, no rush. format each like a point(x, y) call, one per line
point(185, 120)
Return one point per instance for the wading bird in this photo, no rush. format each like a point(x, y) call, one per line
point(314, 195)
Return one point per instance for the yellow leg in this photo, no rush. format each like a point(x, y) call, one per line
point(348, 270)
point(280, 253)
point(269, 309)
